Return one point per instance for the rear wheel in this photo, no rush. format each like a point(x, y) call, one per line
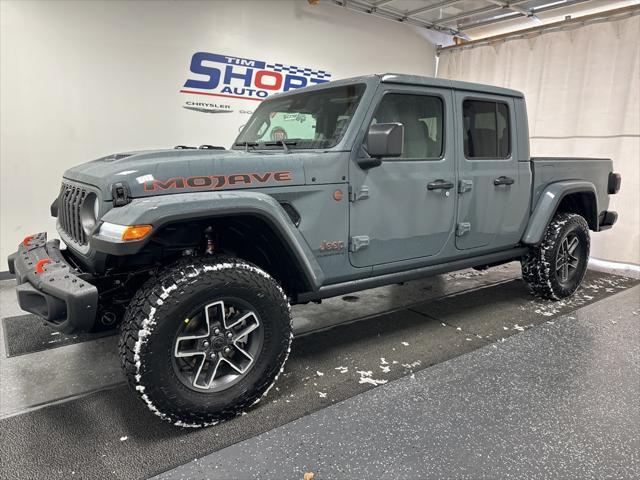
point(556, 267)
point(205, 339)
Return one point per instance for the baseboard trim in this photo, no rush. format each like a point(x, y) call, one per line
point(629, 267)
point(6, 275)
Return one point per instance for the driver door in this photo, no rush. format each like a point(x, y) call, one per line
point(404, 208)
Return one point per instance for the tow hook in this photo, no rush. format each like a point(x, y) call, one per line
point(40, 265)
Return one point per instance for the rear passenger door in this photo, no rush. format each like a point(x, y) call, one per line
point(493, 196)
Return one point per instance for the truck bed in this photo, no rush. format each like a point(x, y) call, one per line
point(547, 170)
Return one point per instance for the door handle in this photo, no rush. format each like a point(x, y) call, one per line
point(439, 185)
point(502, 180)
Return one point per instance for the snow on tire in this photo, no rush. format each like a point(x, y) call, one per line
point(205, 339)
point(555, 268)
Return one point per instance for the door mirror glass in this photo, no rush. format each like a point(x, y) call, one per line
point(385, 140)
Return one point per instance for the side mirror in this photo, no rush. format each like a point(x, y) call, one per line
point(383, 140)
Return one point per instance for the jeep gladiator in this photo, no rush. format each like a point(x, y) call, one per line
point(340, 187)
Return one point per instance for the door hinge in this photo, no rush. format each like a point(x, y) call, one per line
point(358, 242)
point(363, 192)
point(463, 228)
point(465, 186)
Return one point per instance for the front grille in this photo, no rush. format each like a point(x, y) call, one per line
point(69, 202)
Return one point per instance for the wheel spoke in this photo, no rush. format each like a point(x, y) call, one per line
point(188, 345)
point(573, 262)
point(565, 271)
point(252, 324)
point(237, 366)
point(572, 245)
point(204, 377)
point(232, 323)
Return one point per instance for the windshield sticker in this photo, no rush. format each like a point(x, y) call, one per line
point(234, 77)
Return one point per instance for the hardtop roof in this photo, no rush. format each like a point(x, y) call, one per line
point(403, 79)
point(444, 83)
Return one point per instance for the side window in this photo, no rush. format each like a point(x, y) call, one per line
point(486, 129)
point(422, 117)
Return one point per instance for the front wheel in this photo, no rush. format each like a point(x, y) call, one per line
point(556, 267)
point(205, 339)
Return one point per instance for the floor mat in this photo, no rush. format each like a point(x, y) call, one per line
point(109, 434)
point(28, 333)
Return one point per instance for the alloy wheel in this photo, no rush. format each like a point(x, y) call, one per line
point(217, 345)
point(568, 259)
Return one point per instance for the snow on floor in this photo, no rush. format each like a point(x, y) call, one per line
point(584, 294)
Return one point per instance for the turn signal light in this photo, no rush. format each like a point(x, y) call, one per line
point(136, 232)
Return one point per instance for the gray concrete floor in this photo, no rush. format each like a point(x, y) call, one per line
point(36, 379)
point(558, 401)
point(438, 319)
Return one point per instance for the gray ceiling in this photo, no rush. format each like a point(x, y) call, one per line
point(456, 16)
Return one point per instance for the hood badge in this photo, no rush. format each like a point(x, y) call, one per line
point(121, 194)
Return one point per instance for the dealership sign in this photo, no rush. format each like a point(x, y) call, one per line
point(233, 77)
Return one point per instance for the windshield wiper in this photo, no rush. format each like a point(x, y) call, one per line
point(246, 145)
point(284, 144)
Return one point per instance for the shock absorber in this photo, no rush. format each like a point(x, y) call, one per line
point(209, 235)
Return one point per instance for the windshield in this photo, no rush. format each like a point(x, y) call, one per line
point(315, 119)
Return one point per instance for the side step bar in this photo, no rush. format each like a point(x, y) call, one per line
point(336, 289)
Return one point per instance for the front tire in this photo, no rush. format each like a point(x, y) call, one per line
point(205, 339)
point(556, 267)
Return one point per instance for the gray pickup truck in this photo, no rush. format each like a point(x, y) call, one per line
point(340, 187)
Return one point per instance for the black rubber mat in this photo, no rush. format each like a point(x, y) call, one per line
point(28, 333)
point(110, 434)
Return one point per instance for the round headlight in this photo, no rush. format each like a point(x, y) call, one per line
point(89, 212)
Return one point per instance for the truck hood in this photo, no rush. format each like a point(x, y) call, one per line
point(163, 172)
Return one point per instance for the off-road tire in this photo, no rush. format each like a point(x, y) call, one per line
point(154, 315)
point(539, 267)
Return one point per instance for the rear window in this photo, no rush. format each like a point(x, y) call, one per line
point(486, 129)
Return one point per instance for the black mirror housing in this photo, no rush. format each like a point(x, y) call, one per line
point(385, 140)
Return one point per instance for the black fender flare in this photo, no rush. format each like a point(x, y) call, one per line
point(166, 209)
point(548, 204)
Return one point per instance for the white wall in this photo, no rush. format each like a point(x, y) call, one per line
point(583, 97)
point(83, 79)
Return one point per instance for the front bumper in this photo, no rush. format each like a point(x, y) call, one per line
point(50, 287)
